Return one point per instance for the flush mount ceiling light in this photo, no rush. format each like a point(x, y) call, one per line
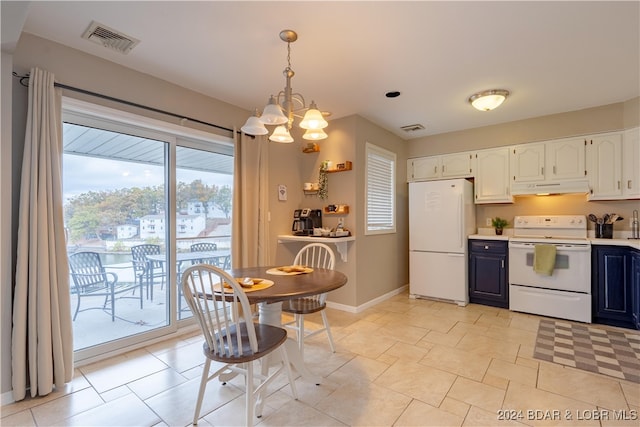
point(285, 107)
point(489, 99)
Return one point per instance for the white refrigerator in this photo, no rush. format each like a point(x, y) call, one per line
point(441, 216)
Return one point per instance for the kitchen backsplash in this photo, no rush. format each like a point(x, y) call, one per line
point(573, 204)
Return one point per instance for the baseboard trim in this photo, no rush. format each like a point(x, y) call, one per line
point(6, 398)
point(368, 304)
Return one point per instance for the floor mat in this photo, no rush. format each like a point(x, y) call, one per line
point(609, 352)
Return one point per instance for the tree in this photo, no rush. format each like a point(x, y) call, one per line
point(222, 200)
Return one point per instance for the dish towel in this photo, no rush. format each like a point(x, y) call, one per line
point(544, 259)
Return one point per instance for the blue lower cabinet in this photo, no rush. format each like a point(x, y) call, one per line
point(488, 273)
point(615, 285)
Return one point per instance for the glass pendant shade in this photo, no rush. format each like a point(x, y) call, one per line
point(313, 118)
point(314, 134)
point(272, 114)
point(254, 126)
point(281, 134)
point(488, 100)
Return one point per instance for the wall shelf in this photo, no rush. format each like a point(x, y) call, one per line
point(341, 167)
point(340, 210)
point(311, 147)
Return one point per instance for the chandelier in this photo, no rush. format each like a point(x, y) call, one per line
point(285, 107)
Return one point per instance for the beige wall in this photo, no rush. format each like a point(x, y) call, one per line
point(376, 265)
point(606, 118)
point(382, 260)
point(575, 123)
point(559, 205)
point(74, 68)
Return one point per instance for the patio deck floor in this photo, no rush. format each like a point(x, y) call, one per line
point(94, 326)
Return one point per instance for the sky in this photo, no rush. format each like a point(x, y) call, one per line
point(82, 174)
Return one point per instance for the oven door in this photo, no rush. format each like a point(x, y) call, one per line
point(572, 270)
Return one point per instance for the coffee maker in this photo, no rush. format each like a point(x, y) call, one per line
point(305, 220)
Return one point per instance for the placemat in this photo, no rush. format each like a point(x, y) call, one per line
point(266, 283)
point(609, 352)
point(277, 272)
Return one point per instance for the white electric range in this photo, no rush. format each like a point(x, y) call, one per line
point(566, 293)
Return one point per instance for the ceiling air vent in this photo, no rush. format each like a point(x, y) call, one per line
point(412, 128)
point(108, 37)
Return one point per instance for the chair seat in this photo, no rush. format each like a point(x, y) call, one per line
point(269, 338)
point(303, 306)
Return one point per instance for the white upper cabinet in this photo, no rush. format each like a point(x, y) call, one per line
point(631, 164)
point(604, 158)
point(565, 159)
point(423, 168)
point(458, 165)
point(527, 162)
point(491, 182)
point(562, 159)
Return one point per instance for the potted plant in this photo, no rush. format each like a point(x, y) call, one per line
point(323, 183)
point(499, 223)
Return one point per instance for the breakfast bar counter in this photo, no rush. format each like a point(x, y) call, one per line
point(340, 242)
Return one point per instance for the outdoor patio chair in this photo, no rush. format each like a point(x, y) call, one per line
point(145, 270)
point(204, 247)
point(91, 280)
point(231, 336)
point(316, 255)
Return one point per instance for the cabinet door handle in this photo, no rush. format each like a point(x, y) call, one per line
point(554, 169)
point(618, 185)
point(486, 247)
point(629, 184)
point(542, 170)
point(442, 168)
point(435, 169)
point(502, 261)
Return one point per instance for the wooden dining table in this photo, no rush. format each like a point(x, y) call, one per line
point(285, 287)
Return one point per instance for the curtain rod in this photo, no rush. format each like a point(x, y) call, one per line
point(24, 82)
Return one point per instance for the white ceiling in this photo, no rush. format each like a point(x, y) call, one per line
point(553, 56)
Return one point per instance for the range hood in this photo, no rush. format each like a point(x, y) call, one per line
point(550, 187)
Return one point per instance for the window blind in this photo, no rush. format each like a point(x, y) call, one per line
point(380, 194)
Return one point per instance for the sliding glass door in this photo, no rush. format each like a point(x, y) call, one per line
point(203, 216)
point(149, 203)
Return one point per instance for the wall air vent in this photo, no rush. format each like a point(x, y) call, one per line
point(412, 128)
point(108, 37)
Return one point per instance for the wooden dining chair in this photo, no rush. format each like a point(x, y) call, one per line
point(231, 336)
point(317, 255)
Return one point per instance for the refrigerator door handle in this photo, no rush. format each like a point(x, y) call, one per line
point(460, 201)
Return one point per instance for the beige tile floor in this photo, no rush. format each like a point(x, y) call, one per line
point(403, 363)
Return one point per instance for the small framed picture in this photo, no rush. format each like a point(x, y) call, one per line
point(282, 192)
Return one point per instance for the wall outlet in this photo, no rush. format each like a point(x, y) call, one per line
point(488, 222)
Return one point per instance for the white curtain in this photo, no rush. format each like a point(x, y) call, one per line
point(250, 231)
point(42, 335)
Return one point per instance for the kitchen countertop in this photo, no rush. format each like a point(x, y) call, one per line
point(489, 237)
point(632, 243)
